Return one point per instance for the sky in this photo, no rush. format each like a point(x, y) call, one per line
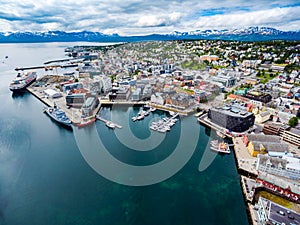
point(140, 17)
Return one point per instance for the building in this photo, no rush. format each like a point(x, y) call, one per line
point(105, 84)
point(227, 81)
point(262, 117)
point(286, 166)
point(136, 94)
point(76, 100)
point(50, 93)
point(157, 99)
point(292, 136)
point(258, 96)
point(271, 213)
point(70, 87)
point(120, 93)
point(288, 134)
point(232, 118)
point(89, 105)
point(274, 128)
point(261, 144)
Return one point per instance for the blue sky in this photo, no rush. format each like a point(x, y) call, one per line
point(137, 17)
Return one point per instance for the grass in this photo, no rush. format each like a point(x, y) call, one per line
point(265, 78)
point(193, 64)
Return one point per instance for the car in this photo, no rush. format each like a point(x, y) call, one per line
point(281, 213)
point(291, 217)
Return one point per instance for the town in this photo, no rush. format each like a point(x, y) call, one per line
point(249, 92)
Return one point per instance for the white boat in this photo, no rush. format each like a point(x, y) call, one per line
point(220, 147)
point(152, 109)
point(153, 127)
point(134, 118)
point(140, 117)
point(110, 125)
point(22, 81)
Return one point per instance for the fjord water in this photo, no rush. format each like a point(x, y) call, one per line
point(44, 179)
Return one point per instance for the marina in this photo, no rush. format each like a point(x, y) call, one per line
point(164, 124)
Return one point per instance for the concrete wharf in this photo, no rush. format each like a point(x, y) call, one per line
point(45, 67)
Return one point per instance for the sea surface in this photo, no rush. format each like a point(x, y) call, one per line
point(46, 178)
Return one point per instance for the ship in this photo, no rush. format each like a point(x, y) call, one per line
point(58, 115)
point(220, 147)
point(22, 81)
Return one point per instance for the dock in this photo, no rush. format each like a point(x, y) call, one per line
point(45, 67)
point(74, 114)
point(105, 121)
point(246, 164)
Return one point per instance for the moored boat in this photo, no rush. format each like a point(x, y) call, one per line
point(110, 125)
point(221, 147)
point(58, 115)
point(22, 81)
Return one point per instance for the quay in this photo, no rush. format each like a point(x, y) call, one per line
point(45, 67)
point(73, 113)
point(105, 121)
point(204, 120)
point(56, 61)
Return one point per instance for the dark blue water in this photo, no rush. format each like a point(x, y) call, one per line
point(44, 179)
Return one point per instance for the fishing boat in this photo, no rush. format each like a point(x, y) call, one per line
point(22, 81)
point(58, 115)
point(221, 147)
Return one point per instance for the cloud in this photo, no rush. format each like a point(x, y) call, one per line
point(158, 20)
point(132, 17)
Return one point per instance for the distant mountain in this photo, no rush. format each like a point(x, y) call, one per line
point(245, 34)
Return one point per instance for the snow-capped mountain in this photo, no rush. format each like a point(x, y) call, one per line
point(244, 34)
point(243, 31)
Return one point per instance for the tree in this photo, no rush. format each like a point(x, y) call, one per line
point(293, 122)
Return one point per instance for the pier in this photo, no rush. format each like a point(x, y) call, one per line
point(45, 67)
point(107, 121)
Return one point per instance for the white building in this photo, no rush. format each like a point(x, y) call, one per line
point(50, 93)
point(157, 99)
point(286, 166)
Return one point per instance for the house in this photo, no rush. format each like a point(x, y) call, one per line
point(262, 117)
point(261, 144)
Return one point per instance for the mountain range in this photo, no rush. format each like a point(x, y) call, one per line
point(244, 34)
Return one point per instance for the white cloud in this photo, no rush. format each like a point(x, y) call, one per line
point(133, 17)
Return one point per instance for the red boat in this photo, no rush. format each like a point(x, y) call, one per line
point(85, 122)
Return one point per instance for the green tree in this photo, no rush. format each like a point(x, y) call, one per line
point(293, 122)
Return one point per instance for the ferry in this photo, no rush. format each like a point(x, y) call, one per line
point(58, 115)
point(22, 81)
